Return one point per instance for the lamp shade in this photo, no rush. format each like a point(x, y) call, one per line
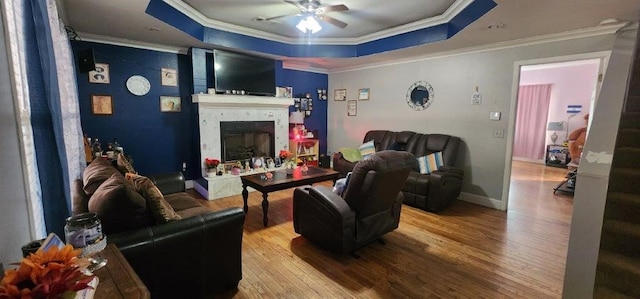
point(296, 117)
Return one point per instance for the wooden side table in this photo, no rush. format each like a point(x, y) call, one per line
point(117, 278)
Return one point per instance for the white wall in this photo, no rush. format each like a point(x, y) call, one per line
point(593, 174)
point(573, 84)
point(454, 79)
point(14, 219)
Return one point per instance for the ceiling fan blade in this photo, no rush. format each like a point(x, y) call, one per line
point(279, 17)
point(332, 21)
point(340, 7)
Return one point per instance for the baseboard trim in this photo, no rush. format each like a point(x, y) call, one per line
point(481, 200)
point(188, 184)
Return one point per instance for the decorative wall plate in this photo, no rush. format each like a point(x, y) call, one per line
point(138, 85)
point(420, 95)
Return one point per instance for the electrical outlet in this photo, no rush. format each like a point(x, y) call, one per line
point(498, 134)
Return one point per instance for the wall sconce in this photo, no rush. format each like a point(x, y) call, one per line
point(555, 126)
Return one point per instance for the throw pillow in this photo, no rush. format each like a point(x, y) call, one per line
point(124, 165)
point(160, 209)
point(367, 149)
point(98, 171)
point(119, 206)
point(341, 184)
point(351, 154)
point(430, 162)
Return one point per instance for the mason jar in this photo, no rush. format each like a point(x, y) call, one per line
point(83, 230)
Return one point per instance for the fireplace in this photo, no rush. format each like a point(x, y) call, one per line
point(214, 110)
point(245, 139)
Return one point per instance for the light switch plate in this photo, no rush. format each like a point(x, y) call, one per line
point(494, 115)
point(476, 99)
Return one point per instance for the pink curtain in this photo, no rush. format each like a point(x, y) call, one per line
point(531, 121)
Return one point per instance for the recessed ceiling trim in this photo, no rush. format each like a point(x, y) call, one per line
point(299, 66)
point(457, 7)
point(221, 38)
point(206, 22)
point(536, 40)
point(89, 37)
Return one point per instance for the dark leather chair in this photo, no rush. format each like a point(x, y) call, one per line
point(370, 207)
point(431, 192)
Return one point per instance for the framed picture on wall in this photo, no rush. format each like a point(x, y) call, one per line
point(352, 108)
point(170, 104)
point(363, 94)
point(101, 105)
point(340, 95)
point(169, 77)
point(100, 74)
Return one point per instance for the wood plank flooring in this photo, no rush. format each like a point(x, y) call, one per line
point(467, 251)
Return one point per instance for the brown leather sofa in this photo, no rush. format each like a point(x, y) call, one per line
point(370, 208)
point(194, 257)
point(431, 192)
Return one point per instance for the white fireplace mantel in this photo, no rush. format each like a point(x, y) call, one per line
point(231, 100)
point(216, 108)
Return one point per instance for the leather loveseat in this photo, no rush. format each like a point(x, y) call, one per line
point(193, 257)
point(431, 192)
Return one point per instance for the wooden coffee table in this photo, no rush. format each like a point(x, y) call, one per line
point(280, 181)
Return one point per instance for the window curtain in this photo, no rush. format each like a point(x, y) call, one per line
point(531, 121)
point(43, 69)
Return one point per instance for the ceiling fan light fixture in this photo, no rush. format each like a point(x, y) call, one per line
point(309, 23)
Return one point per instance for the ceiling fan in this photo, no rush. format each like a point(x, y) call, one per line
point(312, 11)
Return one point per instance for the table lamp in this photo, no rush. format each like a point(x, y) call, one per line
point(296, 118)
point(555, 126)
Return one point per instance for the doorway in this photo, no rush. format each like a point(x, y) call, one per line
point(574, 82)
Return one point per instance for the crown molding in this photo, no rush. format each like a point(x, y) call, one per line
point(88, 37)
point(195, 15)
point(541, 39)
point(298, 66)
point(449, 14)
point(206, 22)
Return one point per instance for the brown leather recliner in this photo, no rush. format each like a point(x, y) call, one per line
point(370, 207)
point(431, 192)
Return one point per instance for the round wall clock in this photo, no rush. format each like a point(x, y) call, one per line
point(138, 85)
point(420, 95)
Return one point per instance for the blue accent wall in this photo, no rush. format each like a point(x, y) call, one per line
point(307, 82)
point(157, 141)
point(162, 141)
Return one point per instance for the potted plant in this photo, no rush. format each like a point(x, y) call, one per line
point(212, 165)
point(287, 161)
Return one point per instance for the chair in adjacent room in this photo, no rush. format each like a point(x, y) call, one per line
point(370, 206)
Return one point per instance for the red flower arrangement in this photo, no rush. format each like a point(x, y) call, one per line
point(211, 163)
point(54, 273)
point(285, 155)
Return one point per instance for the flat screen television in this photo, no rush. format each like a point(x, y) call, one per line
point(239, 72)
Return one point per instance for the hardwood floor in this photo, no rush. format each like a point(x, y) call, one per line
point(467, 251)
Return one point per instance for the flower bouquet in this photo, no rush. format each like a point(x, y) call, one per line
point(211, 165)
point(287, 160)
point(54, 273)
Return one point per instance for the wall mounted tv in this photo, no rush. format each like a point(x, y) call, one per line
point(239, 72)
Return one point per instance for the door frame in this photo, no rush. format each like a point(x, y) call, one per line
point(603, 56)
